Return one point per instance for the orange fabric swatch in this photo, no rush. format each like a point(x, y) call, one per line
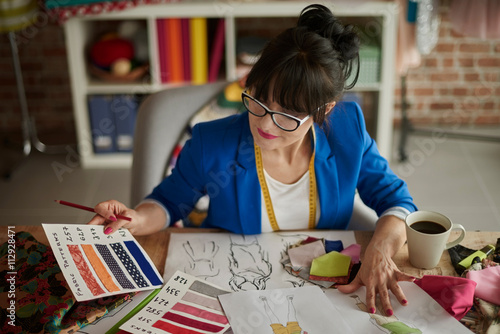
point(100, 269)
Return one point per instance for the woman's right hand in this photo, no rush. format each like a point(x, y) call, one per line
point(106, 213)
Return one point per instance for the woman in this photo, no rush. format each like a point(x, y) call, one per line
point(293, 161)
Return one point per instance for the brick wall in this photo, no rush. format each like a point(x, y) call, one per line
point(42, 54)
point(458, 82)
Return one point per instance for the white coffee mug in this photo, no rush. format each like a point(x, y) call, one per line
point(427, 234)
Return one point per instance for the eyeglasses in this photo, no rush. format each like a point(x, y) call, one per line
point(282, 120)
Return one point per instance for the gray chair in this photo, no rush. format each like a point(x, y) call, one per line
point(160, 122)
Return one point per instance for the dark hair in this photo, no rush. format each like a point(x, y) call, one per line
point(307, 66)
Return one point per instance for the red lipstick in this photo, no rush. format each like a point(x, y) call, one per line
point(266, 135)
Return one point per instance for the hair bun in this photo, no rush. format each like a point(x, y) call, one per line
point(319, 19)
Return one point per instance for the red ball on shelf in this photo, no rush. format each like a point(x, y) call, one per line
point(104, 52)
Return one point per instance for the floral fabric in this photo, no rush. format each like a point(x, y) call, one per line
point(43, 301)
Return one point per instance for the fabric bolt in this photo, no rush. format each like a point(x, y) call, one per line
point(304, 255)
point(488, 284)
point(114, 267)
point(202, 300)
point(145, 265)
point(191, 322)
point(129, 265)
point(100, 269)
point(332, 264)
point(84, 270)
point(200, 313)
point(354, 251)
point(454, 294)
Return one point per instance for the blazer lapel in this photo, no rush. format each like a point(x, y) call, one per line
point(327, 180)
point(248, 190)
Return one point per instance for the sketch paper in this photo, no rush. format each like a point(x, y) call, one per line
point(97, 265)
point(238, 262)
point(291, 310)
point(422, 315)
point(185, 304)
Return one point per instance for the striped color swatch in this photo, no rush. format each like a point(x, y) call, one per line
point(129, 265)
point(84, 270)
point(114, 267)
point(143, 262)
point(198, 312)
point(100, 269)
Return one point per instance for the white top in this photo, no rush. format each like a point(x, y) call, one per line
point(290, 204)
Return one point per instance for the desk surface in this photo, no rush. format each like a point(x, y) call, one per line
point(156, 246)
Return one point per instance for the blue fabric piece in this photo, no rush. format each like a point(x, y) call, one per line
point(334, 245)
point(143, 262)
point(219, 160)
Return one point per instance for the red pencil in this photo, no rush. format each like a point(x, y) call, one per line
point(78, 206)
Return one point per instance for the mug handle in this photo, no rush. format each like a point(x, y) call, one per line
point(460, 237)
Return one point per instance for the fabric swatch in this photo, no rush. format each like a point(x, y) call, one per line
point(333, 245)
point(84, 270)
point(354, 251)
point(203, 301)
point(143, 263)
point(127, 262)
point(191, 322)
point(114, 267)
point(488, 284)
point(303, 256)
point(100, 269)
point(332, 264)
point(200, 313)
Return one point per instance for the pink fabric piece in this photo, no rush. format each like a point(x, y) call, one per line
point(302, 256)
point(488, 284)
point(478, 18)
point(353, 251)
point(454, 294)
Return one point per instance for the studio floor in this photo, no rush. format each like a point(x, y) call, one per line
point(459, 178)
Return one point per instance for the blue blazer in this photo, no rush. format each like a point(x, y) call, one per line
point(219, 160)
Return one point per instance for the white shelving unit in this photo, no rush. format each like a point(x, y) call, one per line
point(378, 16)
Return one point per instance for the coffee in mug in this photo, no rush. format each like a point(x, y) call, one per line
point(427, 234)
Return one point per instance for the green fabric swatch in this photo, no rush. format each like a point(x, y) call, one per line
point(332, 264)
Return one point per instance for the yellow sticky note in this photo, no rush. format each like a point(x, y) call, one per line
point(332, 264)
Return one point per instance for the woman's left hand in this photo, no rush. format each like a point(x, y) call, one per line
point(378, 272)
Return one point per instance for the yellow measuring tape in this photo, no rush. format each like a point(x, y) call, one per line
point(267, 197)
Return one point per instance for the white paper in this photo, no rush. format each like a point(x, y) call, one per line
point(241, 263)
point(106, 322)
point(257, 312)
point(119, 264)
point(422, 314)
point(184, 303)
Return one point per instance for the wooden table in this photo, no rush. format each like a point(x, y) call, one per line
point(156, 245)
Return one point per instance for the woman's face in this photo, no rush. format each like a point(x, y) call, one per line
point(268, 136)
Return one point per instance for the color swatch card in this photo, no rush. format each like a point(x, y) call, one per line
point(96, 265)
point(186, 305)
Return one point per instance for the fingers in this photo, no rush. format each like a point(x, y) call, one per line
point(351, 287)
point(106, 215)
